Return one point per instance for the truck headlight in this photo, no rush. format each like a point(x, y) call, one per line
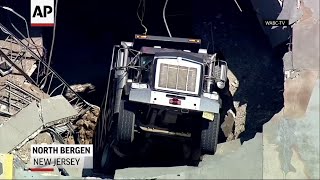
point(221, 84)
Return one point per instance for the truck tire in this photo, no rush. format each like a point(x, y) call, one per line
point(105, 130)
point(126, 122)
point(209, 135)
point(107, 159)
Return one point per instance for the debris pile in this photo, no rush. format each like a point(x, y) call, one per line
point(86, 125)
point(25, 151)
point(79, 88)
point(233, 127)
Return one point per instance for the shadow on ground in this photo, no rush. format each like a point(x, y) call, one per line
point(258, 67)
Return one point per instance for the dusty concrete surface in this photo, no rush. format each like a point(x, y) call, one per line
point(19, 127)
point(291, 145)
point(291, 138)
point(20, 174)
point(231, 156)
point(305, 41)
point(32, 119)
point(25, 150)
point(297, 93)
point(56, 108)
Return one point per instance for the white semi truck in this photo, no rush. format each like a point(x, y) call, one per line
point(161, 86)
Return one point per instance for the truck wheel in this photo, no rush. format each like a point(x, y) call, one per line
point(107, 157)
point(126, 122)
point(209, 135)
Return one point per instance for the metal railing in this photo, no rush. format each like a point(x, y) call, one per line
point(14, 98)
point(45, 78)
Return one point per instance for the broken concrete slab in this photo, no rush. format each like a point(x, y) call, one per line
point(24, 151)
point(32, 119)
point(230, 155)
point(19, 127)
point(291, 145)
point(250, 154)
point(297, 93)
point(290, 11)
point(287, 61)
point(137, 173)
point(227, 125)
point(305, 37)
point(56, 108)
point(147, 173)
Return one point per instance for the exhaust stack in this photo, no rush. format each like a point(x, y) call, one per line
point(223, 76)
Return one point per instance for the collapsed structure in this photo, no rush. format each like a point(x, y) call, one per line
point(36, 101)
point(29, 86)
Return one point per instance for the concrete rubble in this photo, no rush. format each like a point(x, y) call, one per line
point(32, 110)
point(34, 118)
point(86, 125)
point(288, 148)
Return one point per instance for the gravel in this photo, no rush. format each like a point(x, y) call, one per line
point(86, 125)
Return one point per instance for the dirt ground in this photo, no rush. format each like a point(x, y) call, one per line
point(86, 125)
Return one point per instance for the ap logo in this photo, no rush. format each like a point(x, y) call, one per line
point(42, 13)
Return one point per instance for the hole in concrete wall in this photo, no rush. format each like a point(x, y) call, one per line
point(85, 38)
point(86, 32)
point(256, 77)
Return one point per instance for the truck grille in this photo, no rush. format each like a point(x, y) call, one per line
point(177, 77)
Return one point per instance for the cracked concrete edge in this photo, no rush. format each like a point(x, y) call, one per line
point(291, 145)
point(31, 120)
point(174, 172)
point(20, 127)
point(231, 155)
point(56, 109)
point(305, 37)
point(297, 93)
